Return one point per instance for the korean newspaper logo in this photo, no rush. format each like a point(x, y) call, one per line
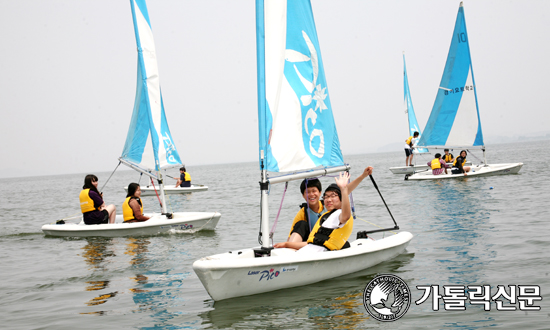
point(387, 297)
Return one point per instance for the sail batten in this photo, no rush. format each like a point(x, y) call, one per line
point(149, 143)
point(455, 120)
point(296, 123)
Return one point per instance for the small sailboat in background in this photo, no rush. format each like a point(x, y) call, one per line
point(298, 139)
point(454, 122)
point(149, 148)
point(413, 127)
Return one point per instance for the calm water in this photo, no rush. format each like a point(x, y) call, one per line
point(465, 234)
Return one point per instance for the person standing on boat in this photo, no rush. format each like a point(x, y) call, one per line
point(448, 157)
point(132, 208)
point(93, 207)
point(334, 227)
point(185, 178)
point(410, 144)
point(458, 165)
point(438, 165)
point(310, 211)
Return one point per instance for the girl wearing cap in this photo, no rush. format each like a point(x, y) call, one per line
point(333, 227)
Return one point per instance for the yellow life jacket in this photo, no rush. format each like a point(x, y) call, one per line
point(332, 239)
point(436, 163)
point(127, 211)
point(448, 158)
point(409, 140)
point(187, 177)
point(86, 202)
point(463, 163)
point(302, 216)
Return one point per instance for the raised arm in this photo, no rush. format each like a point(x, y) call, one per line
point(352, 185)
point(342, 182)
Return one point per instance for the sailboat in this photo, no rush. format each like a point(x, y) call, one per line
point(413, 127)
point(454, 122)
point(152, 190)
point(297, 140)
point(149, 148)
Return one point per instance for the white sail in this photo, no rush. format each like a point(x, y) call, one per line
point(149, 144)
point(296, 123)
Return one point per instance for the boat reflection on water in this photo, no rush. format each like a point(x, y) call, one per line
point(101, 299)
point(97, 251)
point(334, 303)
point(138, 249)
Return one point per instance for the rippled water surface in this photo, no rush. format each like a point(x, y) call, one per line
point(486, 231)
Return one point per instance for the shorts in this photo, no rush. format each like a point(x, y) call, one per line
point(185, 184)
point(408, 152)
point(97, 218)
point(302, 228)
point(105, 216)
point(456, 171)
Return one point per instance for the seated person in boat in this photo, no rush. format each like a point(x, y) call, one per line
point(458, 165)
point(93, 207)
point(132, 208)
point(334, 227)
point(310, 211)
point(409, 147)
point(438, 165)
point(185, 178)
point(448, 157)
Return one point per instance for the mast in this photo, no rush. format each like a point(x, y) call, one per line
point(162, 195)
point(264, 220)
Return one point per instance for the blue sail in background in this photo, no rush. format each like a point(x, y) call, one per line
point(454, 120)
point(149, 144)
point(295, 119)
point(413, 124)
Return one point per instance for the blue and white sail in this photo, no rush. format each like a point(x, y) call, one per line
point(413, 124)
point(454, 120)
point(295, 118)
point(149, 144)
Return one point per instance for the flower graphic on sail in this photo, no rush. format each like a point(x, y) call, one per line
point(297, 103)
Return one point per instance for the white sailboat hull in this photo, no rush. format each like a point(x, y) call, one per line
point(150, 190)
point(239, 273)
point(158, 224)
point(415, 168)
point(477, 170)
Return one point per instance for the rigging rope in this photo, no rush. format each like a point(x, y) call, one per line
point(278, 213)
point(473, 155)
point(376, 186)
point(158, 197)
point(110, 177)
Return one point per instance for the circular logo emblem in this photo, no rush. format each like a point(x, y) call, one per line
point(387, 298)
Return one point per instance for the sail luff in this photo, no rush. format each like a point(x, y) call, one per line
point(454, 119)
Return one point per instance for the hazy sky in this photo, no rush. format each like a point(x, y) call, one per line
point(69, 74)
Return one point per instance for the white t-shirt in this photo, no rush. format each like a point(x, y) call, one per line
point(414, 141)
point(332, 222)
